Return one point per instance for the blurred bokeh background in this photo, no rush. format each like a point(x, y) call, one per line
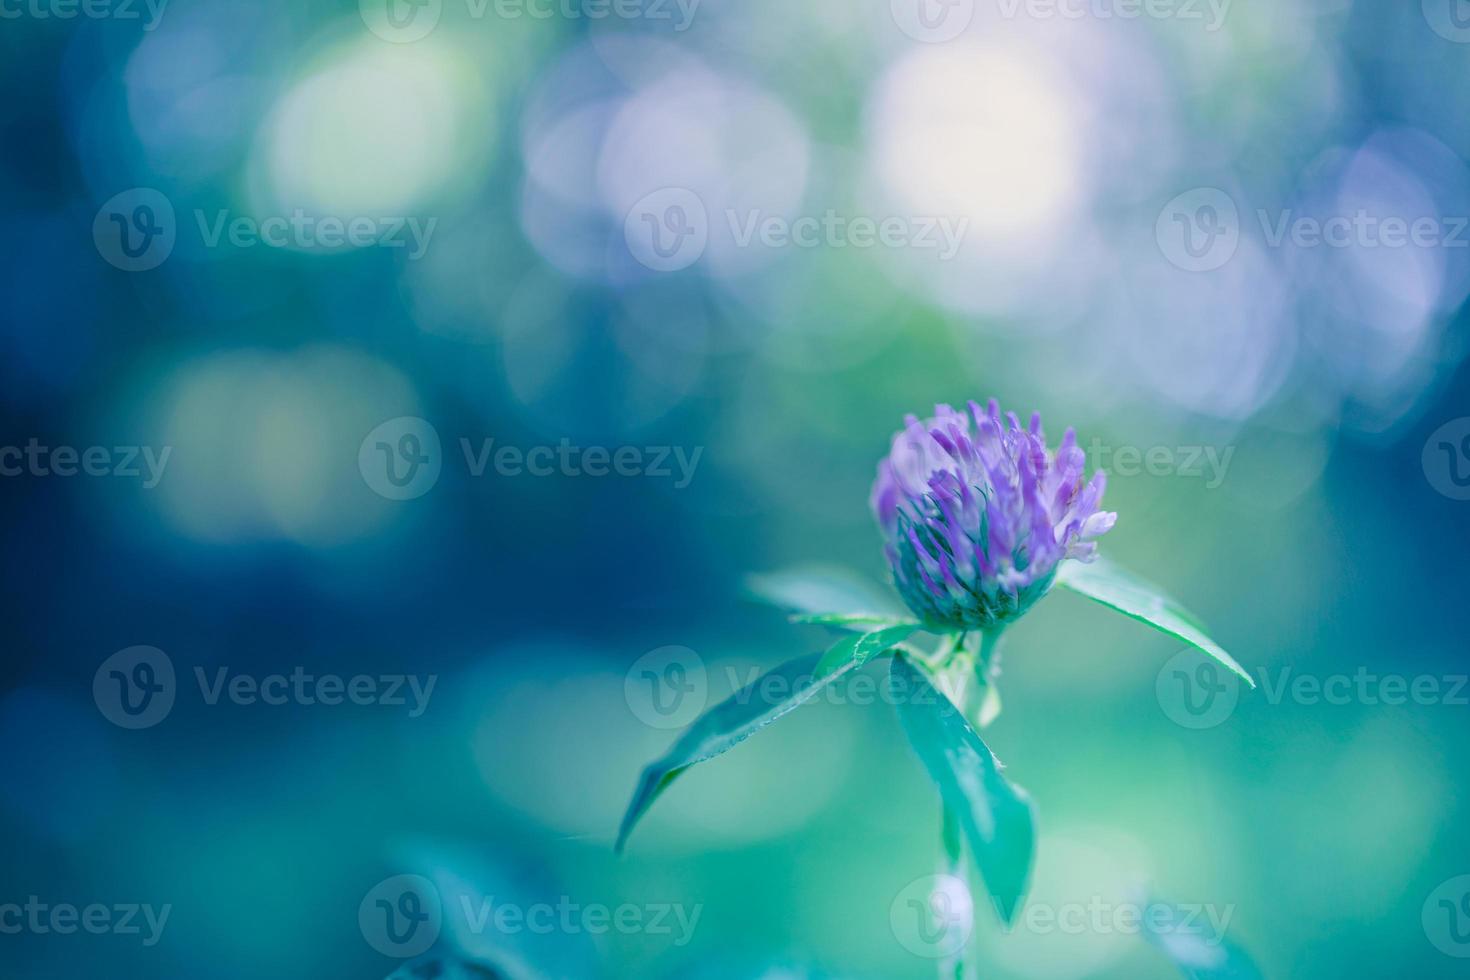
point(1131, 197)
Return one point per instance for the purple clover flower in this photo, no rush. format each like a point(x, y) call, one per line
point(976, 514)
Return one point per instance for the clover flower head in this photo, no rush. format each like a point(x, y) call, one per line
point(977, 515)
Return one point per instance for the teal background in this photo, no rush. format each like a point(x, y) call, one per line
point(1329, 545)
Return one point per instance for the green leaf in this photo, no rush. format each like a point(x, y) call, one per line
point(1196, 950)
point(952, 844)
point(861, 622)
point(997, 817)
point(1104, 582)
point(819, 590)
point(858, 650)
point(729, 723)
point(989, 707)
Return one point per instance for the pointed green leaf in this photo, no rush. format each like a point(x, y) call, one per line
point(818, 590)
point(1195, 948)
point(1104, 582)
point(860, 622)
point(728, 724)
point(997, 817)
point(859, 649)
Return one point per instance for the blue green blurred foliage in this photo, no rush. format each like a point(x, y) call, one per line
point(1328, 542)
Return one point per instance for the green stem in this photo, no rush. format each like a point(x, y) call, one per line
point(990, 651)
point(987, 669)
point(967, 664)
point(959, 965)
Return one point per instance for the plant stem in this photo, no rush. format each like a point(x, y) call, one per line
point(969, 663)
point(987, 668)
point(958, 965)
